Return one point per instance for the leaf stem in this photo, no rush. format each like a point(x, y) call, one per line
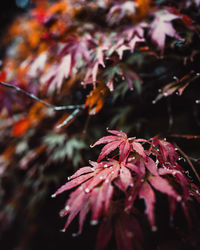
point(189, 161)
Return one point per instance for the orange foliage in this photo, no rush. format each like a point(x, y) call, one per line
point(95, 100)
point(21, 126)
point(142, 9)
point(58, 7)
point(36, 113)
point(7, 154)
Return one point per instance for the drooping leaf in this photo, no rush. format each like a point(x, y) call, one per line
point(148, 195)
point(163, 186)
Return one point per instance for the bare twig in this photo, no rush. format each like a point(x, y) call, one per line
point(56, 108)
point(69, 118)
point(189, 161)
point(185, 136)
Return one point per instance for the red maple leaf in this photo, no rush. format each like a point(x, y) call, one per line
point(136, 174)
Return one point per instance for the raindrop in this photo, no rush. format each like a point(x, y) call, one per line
point(67, 208)
point(91, 146)
point(68, 178)
point(159, 90)
point(179, 198)
point(105, 166)
point(129, 198)
point(106, 181)
point(92, 169)
point(63, 230)
point(87, 190)
point(76, 234)
point(188, 174)
point(154, 229)
point(101, 177)
point(53, 195)
point(112, 172)
point(154, 102)
point(165, 94)
point(94, 222)
point(197, 192)
point(175, 78)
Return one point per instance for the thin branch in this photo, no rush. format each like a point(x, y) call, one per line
point(69, 118)
point(189, 161)
point(189, 137)
point(56, 108)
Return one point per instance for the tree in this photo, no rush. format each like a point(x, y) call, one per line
point(70, 70)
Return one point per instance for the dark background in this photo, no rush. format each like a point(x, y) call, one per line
point(42, 229)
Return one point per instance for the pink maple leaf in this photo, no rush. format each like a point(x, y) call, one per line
point(119, 139)
point(118, 11)
point(162, 27)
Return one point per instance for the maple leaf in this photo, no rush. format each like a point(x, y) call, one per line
point(162, 27)
point(118, 140)
point(99, 59)
point(128, 232)
point(135, 174)
point(127, 39)
point(166, 151)
point(38, 64)
point(94, 192)
point(95, 100)
point(119, 11)
point(74, 49)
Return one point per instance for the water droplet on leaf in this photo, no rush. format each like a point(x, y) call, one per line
point(94, 222)
point(154, 229)
point(67, 208)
